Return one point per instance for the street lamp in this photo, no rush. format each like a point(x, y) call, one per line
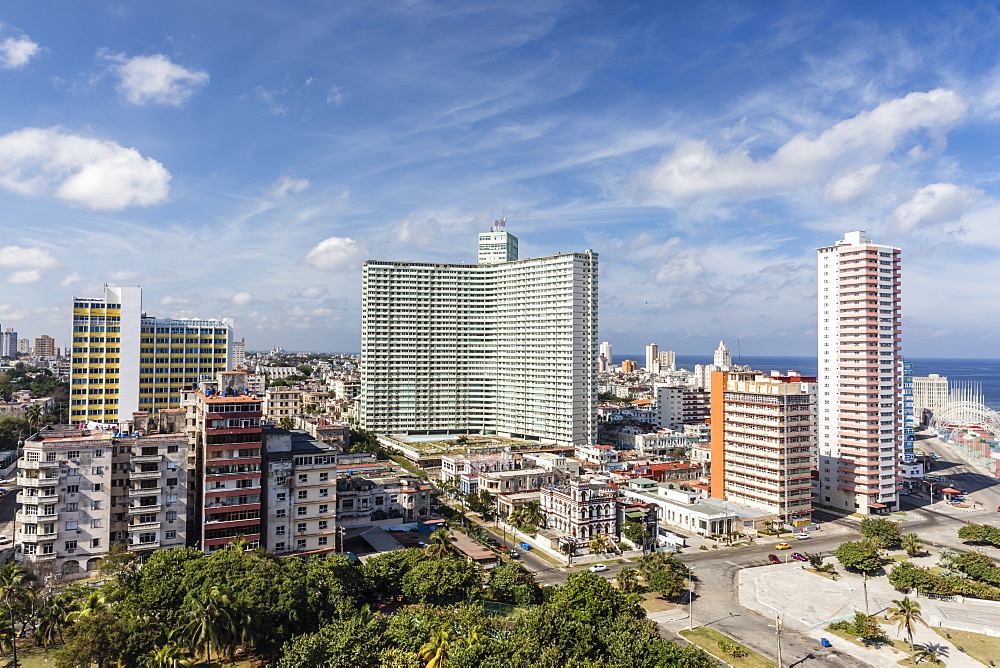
point(690, 597)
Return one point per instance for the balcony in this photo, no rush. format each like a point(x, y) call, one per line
point(139, 547)
point(146, 459)
point(25, 464)
point(144, 491)
point(34, 482)
point(136, 526)
point(145, 475)
point(37, 537)
point(143, 510)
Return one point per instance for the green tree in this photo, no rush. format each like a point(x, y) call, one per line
point(928, 653)
point(286, 423)
point(305, 370)
point(912, 544)
point(440, 546)
point(633, 531)
point(354, 641)
point(93, 605)
point(884, 533)
point(480, 502)
point(385, 572)
point(599, 544)
point(980, 533)
point(628, 580)
point(51, 618)
point(435, 651)
point(211, 622)
point(99, 639)
point(513, 583)
point(905, 614)
point(858, 556)
point(906, 577)
point(668, 583)
point(442, 582)
point(15, 594)
point(661, 561)
point(591, 599)
point(531, 516)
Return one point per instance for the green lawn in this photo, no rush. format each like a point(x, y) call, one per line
point(708, 639)
point(981, 648)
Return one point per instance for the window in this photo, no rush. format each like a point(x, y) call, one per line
point(302, 510)
point(323, 477)
point(171, 515)
point(96, 505)
point(322, 525)
point(71, 545)
point(171, 448)
point(96, 470)
point(70, 507)
point(300, 544)
point(324, 508)
point(98, 486)
point(280, 497)
point(95, 542)
point(301, 526)
point(51, 456)
point(303, 477)
point(170, 534)
point(171, 482)
point(279, 513)
point(98, 453)
point(277, 546)
point(73, 454)
point(171, 498)
point(303, 493)
point(279, 530)
point(48, 548)
point(71, 525)
point(326, 492)
point(95, 524)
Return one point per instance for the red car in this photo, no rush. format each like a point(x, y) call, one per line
point(773, 558)
point(799, 557)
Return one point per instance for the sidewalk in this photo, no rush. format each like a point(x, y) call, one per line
point(809, 603)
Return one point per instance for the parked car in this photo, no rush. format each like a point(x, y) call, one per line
point(773, 558)
point(825, 643)
point(598, 568)
point(904, 492)
point(964, 491)
point(782, 546)
point(514, 555)
point(799, 557)
point(524, 546)
point(4, 540)
point(802, 536)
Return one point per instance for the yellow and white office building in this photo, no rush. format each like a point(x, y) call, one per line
point(124, 361)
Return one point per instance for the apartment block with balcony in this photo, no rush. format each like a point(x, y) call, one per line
point(763, 442)
point(224, 463)
point(373, 500)
point(83, 491)
point(282, 402)
point(300, 493)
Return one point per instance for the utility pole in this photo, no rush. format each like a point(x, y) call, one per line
point(690, 598)
point(777, 633)
point(865, 575)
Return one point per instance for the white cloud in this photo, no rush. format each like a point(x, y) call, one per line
point(16, 52)
point(35, 258)
point(419, 231)
point(335, 253)
point(287, 184)
point(242, 298)
point(335, 95)
point(174, 301)
point(70, 280)
point(851, 185)
point(121, 276)
point(29, 276)
point(936, 203)
point(154, 79)
point(87, 172)
point(696, 169)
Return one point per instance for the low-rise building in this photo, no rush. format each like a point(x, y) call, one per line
point(457, 465)
point(580, 509)
point(523, 480)
point(282, 402)
point(392, 499)
point(685, 509)
point(603, 456)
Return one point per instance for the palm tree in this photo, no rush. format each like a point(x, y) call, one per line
point(286, 423)
point(52, 619)
point(628, 580)
point(33, 414)
point(928, 653)
point(598, 544)
point(435, 651)
point(906, 615)
point(440, 546)
point(912, 544)
point(166, 656)
point(210, 621)
point(532, 516)
point(14, 593)
point(93, 605)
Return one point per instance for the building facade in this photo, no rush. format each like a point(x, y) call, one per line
point(503, 348)
point(580, 509)
point(763, 442)
point(45, 346)
point(123, 361)
point(859, 401)
point(8, 343)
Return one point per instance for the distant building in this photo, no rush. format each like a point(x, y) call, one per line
point(652, 358)
point(580, 509)
point(8, 343)
point(45, 346)
point(239, 354)
point(23, 346)
point(282, 402)
point(605, 362)
point(723, 359)
point(628, 366)
point(497, 245)
point(929, 393)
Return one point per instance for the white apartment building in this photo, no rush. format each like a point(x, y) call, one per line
point(455, 466)
point(652, 358)
point(605, 361)
point(503, 348)
point(580, 509)
point(282, 402)
point(84, 491)
point(930, 392)
point(124, 361)
point(300, 483)
point(859, 402)
point(722, 359)
point(497, 245)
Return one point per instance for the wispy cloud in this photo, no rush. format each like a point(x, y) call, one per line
point(155, 80)
point(16, 52)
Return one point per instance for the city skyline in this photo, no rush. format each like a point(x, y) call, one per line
point(246, 168)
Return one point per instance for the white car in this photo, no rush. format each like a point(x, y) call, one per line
point(4, 540)
point(802, 536)
point(598, 568)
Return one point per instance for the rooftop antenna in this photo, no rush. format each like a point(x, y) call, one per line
point(500, 225)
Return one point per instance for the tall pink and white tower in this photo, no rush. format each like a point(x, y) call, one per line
point(859, 417)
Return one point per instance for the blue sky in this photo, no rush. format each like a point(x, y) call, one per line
point(241, 159)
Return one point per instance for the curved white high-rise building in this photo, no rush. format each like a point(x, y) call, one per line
point(859, 437)
point(503, 348)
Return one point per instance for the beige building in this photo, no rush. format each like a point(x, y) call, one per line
point(282, 402)
point(929, 392)
point(366, 500)
point(84, 491)
point(45, 346)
